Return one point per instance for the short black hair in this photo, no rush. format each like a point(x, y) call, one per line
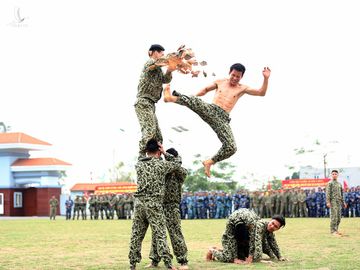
point(152, 146)
point(279, 218)
point(173, 152)
point(335, 171)
point(238, 67)
point(156, 47)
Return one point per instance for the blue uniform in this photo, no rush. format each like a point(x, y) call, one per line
point(68, 206)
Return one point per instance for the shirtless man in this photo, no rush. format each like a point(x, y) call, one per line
point(227, 93)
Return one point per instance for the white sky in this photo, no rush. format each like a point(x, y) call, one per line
point(69, 75)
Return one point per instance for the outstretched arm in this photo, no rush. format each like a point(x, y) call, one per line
point(209, 88)
point(262, 90)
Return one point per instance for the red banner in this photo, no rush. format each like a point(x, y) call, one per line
point(304, 183)
point(119, 189)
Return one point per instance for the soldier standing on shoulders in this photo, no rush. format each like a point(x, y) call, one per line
point(149, 93)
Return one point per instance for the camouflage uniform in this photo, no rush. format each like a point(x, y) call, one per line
point(149, 198)
point(217, 119)
point(77, 203)
point(92, 205)
point(82, 207)
point(113, 205)
point(172, 200)
point(53, 207)
point(149, 93)
point(302, 204)
point(334, 196)
point(127, 207)
point(245, 235)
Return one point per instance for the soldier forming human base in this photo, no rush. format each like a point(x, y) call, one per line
point(151, 172)
point(172, 201)
point(335, 201)
point(247, 237)
point(227, 93)
point(149, 92)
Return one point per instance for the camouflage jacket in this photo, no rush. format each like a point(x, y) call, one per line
point(151, 81)
point(151, 173)
point(334, 192)
point(53, 203)
point(173, 184)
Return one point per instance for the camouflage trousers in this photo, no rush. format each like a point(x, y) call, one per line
point(52, 212)
point(230, 246)
point(302, 209)
point(145, 112)
point(76, 212)
point(148, 212)
point(335, 217)
point(236, 238)
point(92, 211)
point(173, 225)
point(217, 119)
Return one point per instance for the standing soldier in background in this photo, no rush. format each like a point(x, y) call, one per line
point(255, 202)
point(149, 92)
point(312, 203)
point(183, 206)
point(302, 203)
point(212, 204)
point(278, 202)
point(262, 204)
point(120, 207)
point(92, 205)
point(82, 207)
point(335, 201)
point(104, 204)
point(294, 203)
point(112, 205)
point(172, 198)
point(268, 205)
point(77, 203)
point(53, 207)
point(127, 206)
point(68, 206)
point(283, 203)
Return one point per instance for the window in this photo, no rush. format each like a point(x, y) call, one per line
point(18, 202)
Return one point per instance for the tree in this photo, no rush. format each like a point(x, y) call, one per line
point(275, 183)
point(118, 174)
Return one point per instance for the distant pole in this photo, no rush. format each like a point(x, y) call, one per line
point(325, 165)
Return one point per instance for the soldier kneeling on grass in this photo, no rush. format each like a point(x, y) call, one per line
point(247, 237)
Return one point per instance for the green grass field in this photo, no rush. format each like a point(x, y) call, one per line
point(103, 244)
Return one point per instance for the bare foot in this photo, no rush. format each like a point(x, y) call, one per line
point(167, 95)
point(207, 164)
point(184, 267)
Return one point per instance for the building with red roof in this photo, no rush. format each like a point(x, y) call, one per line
point(27, 184)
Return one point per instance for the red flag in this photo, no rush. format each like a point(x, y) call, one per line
point(346, 186)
